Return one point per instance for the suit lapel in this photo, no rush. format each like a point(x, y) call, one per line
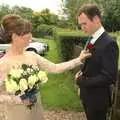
point(98, 44)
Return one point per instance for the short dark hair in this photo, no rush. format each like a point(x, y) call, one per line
point(90, 10)
point(13, 23)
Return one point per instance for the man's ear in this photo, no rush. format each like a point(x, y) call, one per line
point(96, 19)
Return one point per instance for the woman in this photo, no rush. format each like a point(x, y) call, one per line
point(17, 31)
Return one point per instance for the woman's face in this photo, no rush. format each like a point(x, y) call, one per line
point(22, 40)
point(26, 38)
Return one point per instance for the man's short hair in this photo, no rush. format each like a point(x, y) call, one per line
point(90, 10)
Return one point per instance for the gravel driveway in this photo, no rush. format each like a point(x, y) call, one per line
point(64, 115)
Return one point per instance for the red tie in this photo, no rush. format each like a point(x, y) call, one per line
point(88, 44)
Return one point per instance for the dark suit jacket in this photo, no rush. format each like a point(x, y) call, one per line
point(99, 72)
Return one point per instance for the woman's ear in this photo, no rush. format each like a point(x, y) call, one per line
point(14, 36)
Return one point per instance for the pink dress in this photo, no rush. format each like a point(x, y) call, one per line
point(13, 110)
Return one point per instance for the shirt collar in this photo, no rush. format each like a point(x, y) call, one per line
point(97, 34)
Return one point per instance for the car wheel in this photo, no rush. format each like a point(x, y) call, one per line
point(32, 49)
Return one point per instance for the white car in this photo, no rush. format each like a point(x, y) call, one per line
point(38, 47)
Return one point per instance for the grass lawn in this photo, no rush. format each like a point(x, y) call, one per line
point(59, 92)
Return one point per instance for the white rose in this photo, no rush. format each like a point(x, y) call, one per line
point(42, 76)
point(11, 86)
point(16, 72)
point(28, 70)
point(23, 85)
point(36, 67)
point(32, 80)
point(31, 70)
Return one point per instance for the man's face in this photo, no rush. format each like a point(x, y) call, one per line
point(87, 25)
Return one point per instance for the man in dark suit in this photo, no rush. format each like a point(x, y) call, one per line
point(99, 72)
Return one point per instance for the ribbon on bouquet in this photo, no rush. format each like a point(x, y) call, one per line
point(31, 95)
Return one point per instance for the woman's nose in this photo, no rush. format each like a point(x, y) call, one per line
point(30, 36)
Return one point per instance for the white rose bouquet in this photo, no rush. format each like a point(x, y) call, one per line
point(24, 81)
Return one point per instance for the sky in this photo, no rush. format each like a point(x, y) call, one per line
point(36, 5)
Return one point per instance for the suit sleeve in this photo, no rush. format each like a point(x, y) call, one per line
point(108, 73)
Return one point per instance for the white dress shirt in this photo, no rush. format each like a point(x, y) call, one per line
point(97, 34)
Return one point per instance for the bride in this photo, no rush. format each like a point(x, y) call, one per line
point(17, 31)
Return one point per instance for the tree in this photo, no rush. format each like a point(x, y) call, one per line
point(4, 9)
point(23, 11)
point(44, 23)
point(110, 13)
point(70, 8)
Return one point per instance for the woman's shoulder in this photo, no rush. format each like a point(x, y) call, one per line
point(31, 56)
point(4, 66)
point(30, 53)
point(3, 61)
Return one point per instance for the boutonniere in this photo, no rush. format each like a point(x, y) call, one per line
point(90, 46)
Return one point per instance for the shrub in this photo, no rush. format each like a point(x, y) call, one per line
point(43, 30)
point(66, 42)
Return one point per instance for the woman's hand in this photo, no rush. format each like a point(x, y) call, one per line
point(10, 99)
point(26, 102)
point(84, 54)
point(18, 100)
point(77, 75)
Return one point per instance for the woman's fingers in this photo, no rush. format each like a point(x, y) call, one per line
point(85, 54)
point(78, 74)
point(26, 101)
